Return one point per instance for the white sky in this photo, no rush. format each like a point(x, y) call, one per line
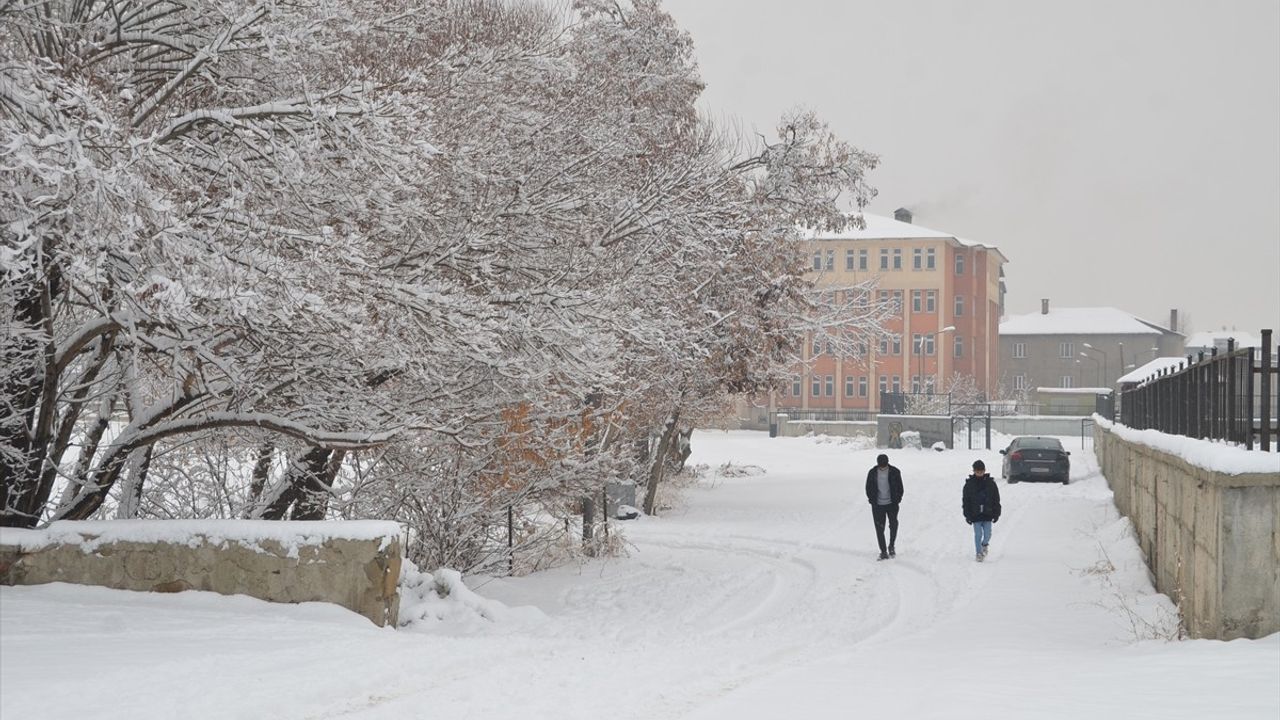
point(1122, 153)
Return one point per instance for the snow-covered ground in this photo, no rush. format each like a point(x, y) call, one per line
point(757, 595)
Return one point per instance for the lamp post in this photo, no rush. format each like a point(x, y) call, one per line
point(1106, 370)
point(920, 353)
point(1097, 366)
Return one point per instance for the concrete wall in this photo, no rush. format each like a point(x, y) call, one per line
point(358, 574)
point(1212, 540)
point(932, 429)
point(1034, 425)
point(835, 428)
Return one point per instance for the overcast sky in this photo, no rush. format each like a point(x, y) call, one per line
point(1122, 153)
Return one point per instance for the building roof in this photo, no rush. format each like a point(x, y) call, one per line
point(1212, 338)
point(879, 227)
point(1079, 321)
point(1074, 390)
point(1151, 368)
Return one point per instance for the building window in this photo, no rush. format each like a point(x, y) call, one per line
point(897, 383)
point(897, 344)
point(917, 303)
point(862, 386)
point(928, 384)
point(897, 298)
point(884, 346)
point(1067, 381)
point(884, 258)
point(816, 387)
point(831, 259)
point(862, 259)
point(1066, 350)
point(959, 347)
point(917, 259)
point(795, 387)
point(897, 258)
point(848, 386)
point(959, 264)
point(830, 385)
point(915, 384)
point(1020, 350)
point(928, 344)
point(930, 259)
point(817, 259)
point(931, 301)
point(848, 259)
point(1019, 382)
point(817, 347)
point(884, 384)
point(959, 305)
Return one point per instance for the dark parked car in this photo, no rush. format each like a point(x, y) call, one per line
point(1035, 458)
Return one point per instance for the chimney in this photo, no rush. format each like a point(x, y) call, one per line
point(1173, 319)
point(1044, 306)
point(902, 215)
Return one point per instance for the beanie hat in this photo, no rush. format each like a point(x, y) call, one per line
point(979, 465)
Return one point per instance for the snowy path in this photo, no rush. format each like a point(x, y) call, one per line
point(757, 596)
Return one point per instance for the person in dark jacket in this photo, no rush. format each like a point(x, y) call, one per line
point(884, 492)
point(981, 504)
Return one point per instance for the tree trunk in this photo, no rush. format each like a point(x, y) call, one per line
point(313, 500)
point(27, 395)
point(311, 464)
point(658, 462)
point(261, 471)
point(135, 479)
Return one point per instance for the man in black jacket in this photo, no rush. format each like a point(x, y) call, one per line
point(884, 492)
point(980, 501)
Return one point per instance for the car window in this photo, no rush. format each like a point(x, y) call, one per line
point(1039, 443)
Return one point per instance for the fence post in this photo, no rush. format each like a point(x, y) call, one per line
point(1233, 402)
point(511, 552)
point(1266, 390)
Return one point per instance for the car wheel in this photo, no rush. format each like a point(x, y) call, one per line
point(1012, 481)
point(1066, 481)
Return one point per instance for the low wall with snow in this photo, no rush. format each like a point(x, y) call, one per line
point(1208, 519)
point(352, 564)
point(1032, 424)
point(834, 428)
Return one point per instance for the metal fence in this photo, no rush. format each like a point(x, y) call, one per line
point(1230, 396)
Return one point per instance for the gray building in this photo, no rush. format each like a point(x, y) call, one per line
point(1079, 347)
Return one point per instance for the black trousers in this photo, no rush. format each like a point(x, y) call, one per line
point(880, 513)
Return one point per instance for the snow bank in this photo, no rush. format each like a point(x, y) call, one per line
point(430, 601)
point(1216, 455)
point(89, 534)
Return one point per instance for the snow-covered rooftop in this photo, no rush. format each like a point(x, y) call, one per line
point(1079, 321)
point(1074, 390)
point(1211, 338)
point(1151, 368)
point(879, 227)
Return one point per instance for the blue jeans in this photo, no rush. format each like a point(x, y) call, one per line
point(981, 534)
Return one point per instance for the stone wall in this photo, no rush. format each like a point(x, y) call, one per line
point(295, 562)
point(1212, 539)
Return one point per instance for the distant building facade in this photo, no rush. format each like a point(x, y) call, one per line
point(1079, 347)
point(948, 293)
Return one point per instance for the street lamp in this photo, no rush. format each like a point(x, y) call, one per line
point(1096, 366)
point(920, 354)
point(1106, 370)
